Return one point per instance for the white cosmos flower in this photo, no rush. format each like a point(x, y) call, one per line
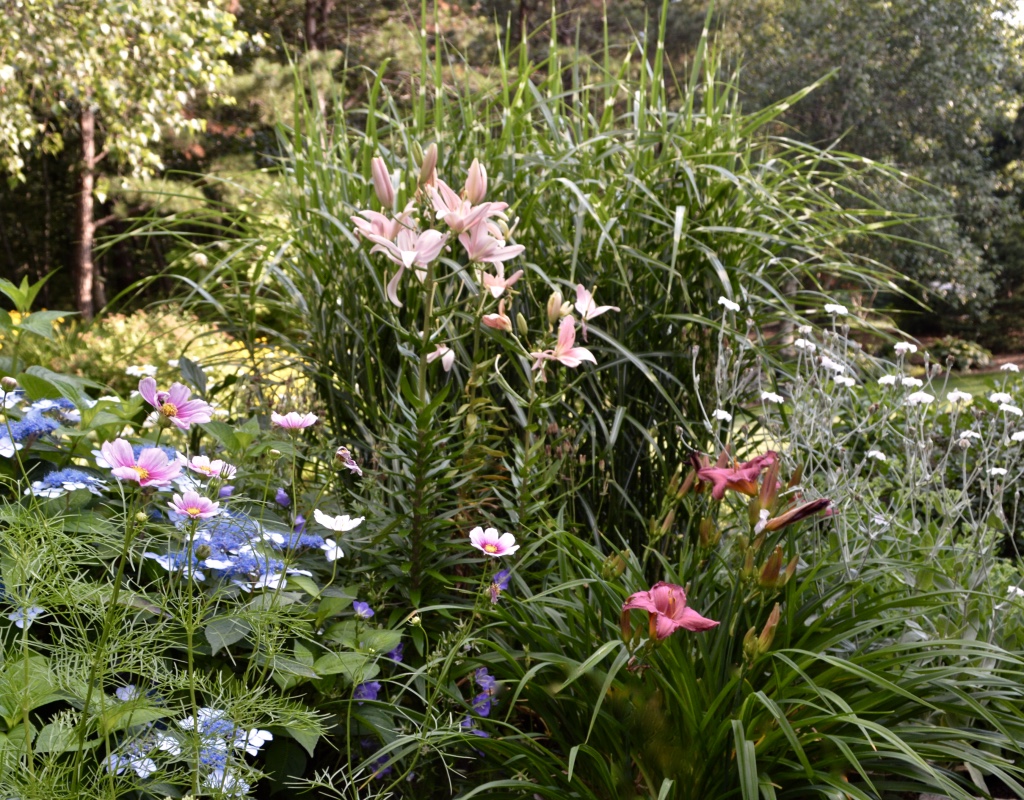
point(1010, 368)
point(836, 309)
point(956, 396)
point(919, 398)
point(887, 380)
point(917, 383)
point(904, 347)
point(337, 524)
point(1011, 409)
point(878, 454)
point(722, 414)
point(141, 370)
point(729, 304)
point(997, 471)
point(771, 397)
point(1000, 397)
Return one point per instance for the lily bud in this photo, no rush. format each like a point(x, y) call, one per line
point(667, 523)
point(747, 570)
point(754, 510)
point(524, 329)
point(476, 183)
point(769, 577)
point(382, 183)
point(565, 310)
point(750, 648)
point(687, 485)
point(554, 307)
point(613, 566)
point(428, 166)
point(416, 152)
point(708, 533)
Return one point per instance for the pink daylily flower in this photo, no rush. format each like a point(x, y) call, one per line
point(739, 477)
point(491, 543)
point(410, 249)
point(666, 605)
point(446, 354)
point(499, 283)
point(499, 321)
point(484, 247)
point(293, 420)
point(174, 404)
point(460, 214)
point(211, 469)
point(152, 468)
point(587, 308)
point(565, 352)
point(194, 506)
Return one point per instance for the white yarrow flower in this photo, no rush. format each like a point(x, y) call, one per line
point(904, 347)
point(887, 380)
point(803, 344)
point(917, 383)
point(729, 304)
point(919, 398)
point(828, 363)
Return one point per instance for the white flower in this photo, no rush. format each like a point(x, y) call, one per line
point(803, 344)
point(24, 617)
point(919, 398)
point(970, 435)
point(771, 397)
point(255, 739)
point(956, 396)
point(332, 550)
point(998, 471)
point(845, 380)
point(1018, 436)
point(1015, 591)
point(172, 362)
point(1000, 397)
point(804, 330)
point(917, 383)
point(762, 521)
point(828, 363)
point(141, 371)
point(337, 524)
point(1011, 409)
point(887, 380)
point(128, 693)
point(876, 454)
point(445, 353)
point(904, 347)
point(1010, 368)
point(836, 309)
point(721, 414)
point(729, 304)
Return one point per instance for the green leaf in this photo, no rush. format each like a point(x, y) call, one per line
point(307, 739)
point(193, 373)
point(308, 585)
point(746, 762)
point(223, 433)
point(357, 667)
point(15, 295)
point(37, 388)
point(225, 631)
point(41, 322)
point(127, 715)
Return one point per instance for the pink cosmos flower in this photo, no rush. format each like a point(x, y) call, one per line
point(499, 321)
point(739, 477)
point(587, 308)
point(565, 352)
point(446, 354)
point(491, 543)
point(293, 420)
point(484, 247)
point(211, 469)
point(194, 506)
point(175, 405)
point(460, 214)
point(666, 605)
point(499, 283)
point(152, 468)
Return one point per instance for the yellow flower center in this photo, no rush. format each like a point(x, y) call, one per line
point(169, 410)
point(193, 511)
point(141, 472)
point(490, 548)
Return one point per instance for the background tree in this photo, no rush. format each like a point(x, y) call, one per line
point(112, 77)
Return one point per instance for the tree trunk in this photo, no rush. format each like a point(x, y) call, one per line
point(83, 268)
point(310, 24)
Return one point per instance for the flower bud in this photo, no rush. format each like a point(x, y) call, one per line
point(382, 182)
point(8, 383)
point(613, 566)
point(141, 516)
point(565, 310)
point(203, 551)
point(476, 183)
point(666, 524)
point(416, 152)
point(428, 166)
point(524, 329)
point(415, 620)
point(708, 533)
point(687, 485)
point(554, 307)
point(769, 577)
point(750, 648)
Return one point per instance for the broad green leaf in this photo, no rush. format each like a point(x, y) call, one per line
point(225, 631)
point(357, 667)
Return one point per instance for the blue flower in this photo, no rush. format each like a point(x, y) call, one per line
point(59, 482)
point(363, 610)
point(366, 691)
point(499, 584)
point(282, 498)
point(24, 617)
point(485, 680)
point(396, 654)
point(226, 491)
point(482, 704)
point(32, 426)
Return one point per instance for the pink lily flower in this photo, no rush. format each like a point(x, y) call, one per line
point(499, 321)
point(739, 477)
point(410, 249)
point(499, 283)
point(293, 420)
point(666, 605)
point(152, 468)
point(211, 469)
point(446, 354)
point(587, 308)
point(376, 224)
point(174, 405)
point(194, 506)
point(491, 543)
point(485, 248)
point(476, 183)
point(460, 215)
point(565, 352)
point(382, 184)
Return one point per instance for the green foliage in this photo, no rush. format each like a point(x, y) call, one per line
point(965, 355)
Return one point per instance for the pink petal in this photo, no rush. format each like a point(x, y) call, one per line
point(692, 621)
point(147, 388)
point(392, 290)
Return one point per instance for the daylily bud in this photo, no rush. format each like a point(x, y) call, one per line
point(764, 641)
point(613, 566)
point(769, 577)
point(750, 649)
point(667, 523)
point(8, 383)
point(673, 482)
point(687, 485)
point(754, 510)
point(797, 514)
point(708, 533)
point(770, 486)
point(747, 570)
point(416, 152)
point(554, 307)
point(476, 183)
point(428, 166)
point(524, 329)
point(794, 479)
point(382, 182)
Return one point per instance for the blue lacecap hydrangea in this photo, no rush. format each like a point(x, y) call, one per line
point(57, 478)
point(33, 425)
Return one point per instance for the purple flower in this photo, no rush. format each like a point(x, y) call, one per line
point(396, 654)
point(300, 524)
point(226, 491)
point(485, 680)
point(469, 726)
point(175, 405)
point(482, 704)
point(499, 584)
point(282, 498)
point(363, 610)
point(366, 691)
